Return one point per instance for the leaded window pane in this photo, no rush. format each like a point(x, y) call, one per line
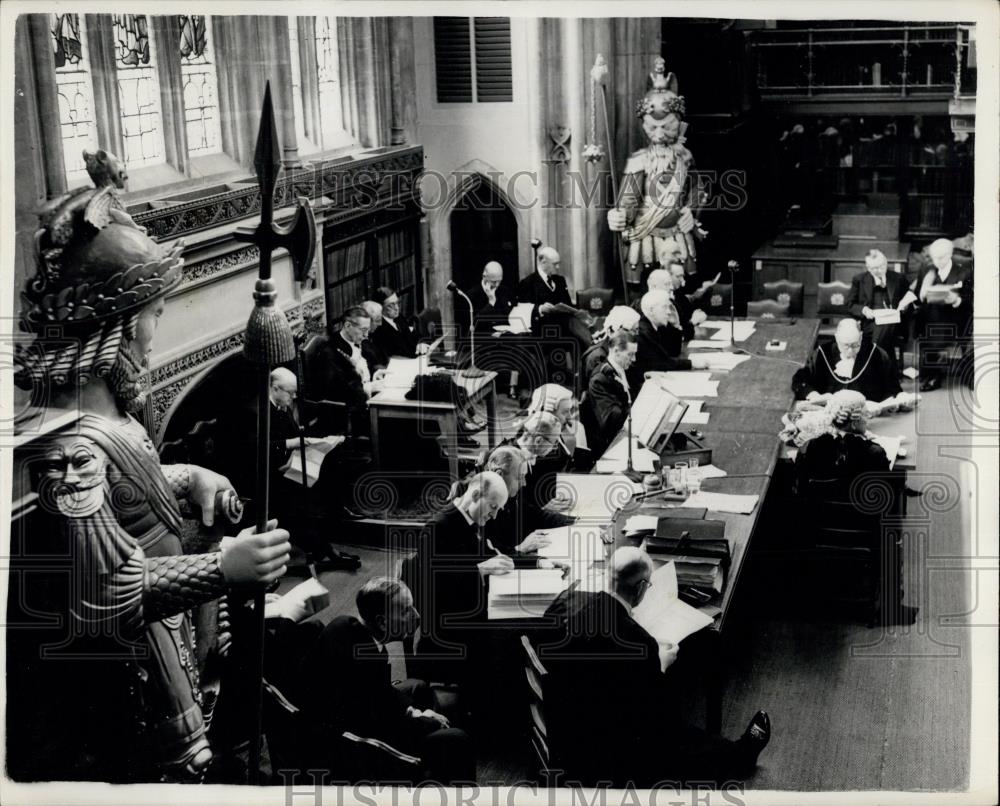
point(74, 86)
point(138, 91)
point(198, 72)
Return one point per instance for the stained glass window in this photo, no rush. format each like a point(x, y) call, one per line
point(296, 65)
point(138, 91)
point(328, 81)
point(74, 85)
point(201, 106)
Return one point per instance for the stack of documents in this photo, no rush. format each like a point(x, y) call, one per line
point(615, 458)
point(664, 616)
point(314, 460)
point(743, 330)
point(592, 495)
point(402, 372)
point(519, 318)
point(688, 384)
point(523, 594)
point(574, 544)
point(722, 502)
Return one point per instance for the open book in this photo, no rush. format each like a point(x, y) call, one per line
point(292, 469)
point(664, 616)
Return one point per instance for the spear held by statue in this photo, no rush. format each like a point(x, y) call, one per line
point(268, 344)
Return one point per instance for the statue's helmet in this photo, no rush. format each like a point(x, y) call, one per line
point(661, 98)
point(96, 270)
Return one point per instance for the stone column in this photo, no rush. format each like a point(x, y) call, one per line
point(39, 41)
point(107, 112)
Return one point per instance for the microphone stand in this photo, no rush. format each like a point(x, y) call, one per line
point(472, 371)
point(630, 472)
point(732, 266)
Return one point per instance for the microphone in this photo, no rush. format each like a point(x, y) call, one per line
point(733, 267)
point(471, 372)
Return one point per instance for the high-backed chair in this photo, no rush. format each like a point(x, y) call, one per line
point(847, 542)
point(429, 324)
point(535, 675)
point(716, 299)
point(831, 306)
point(597, 301)
point(786, 291)
point(767, 309)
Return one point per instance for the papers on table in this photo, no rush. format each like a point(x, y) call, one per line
point(686, 384)
point(664, 616)
point(911, 373)
point(402, 372)
point(694, 415)
point(723, 362)
point(592, 495)
point(519, 318)
point(641, 523)
point(705, 344)
point(742, 330)
point(722, 502)
point(655, 412)
point(292, 469)
point(891, 447)
point(886, 316)
point(615, 458)
point(522, 594)
point(575, 544)
point(709, 472)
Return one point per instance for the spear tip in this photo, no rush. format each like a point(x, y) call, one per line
point(267, 155)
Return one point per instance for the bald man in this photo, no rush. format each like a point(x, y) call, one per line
point(544, 288)
point(849, 362)
point(605, 658)
point(448, 575)
point(657, 279)
point(491, 303)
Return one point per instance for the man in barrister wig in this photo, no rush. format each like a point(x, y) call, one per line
point(111, 693)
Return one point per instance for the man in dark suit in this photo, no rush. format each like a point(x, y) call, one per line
point(611, 713)
point(347, 686)
point(545, 289)
point(609, 395)
point(491, 303)
point(850, 362)
point(448, 572)
point(336, 370)
point(660, 339)
point(394, 337)
point(877, 289)
point(690, 316)
point(373, 354)
point(946, 304)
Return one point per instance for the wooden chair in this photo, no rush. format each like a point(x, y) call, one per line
point(831, 306)
point(767, 309)
point(848, 544)
point(716, 300)
point(597, 301)
point(535, 675)
point(786, 291)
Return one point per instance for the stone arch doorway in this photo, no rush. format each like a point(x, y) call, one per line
point(483, 228)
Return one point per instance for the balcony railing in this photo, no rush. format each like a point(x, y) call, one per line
point(902, 61)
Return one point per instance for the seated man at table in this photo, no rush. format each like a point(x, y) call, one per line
point(337, 370)
point(491, 303)
point(537, 437)
point(608, 395)
point(620, 317)
point(346, 685)
point(660, 339)
point(545, 289)
point(849, 362)
point(878, 289)
point(658, 279)
point(690, 316)
point(448, 577)
point(945, 310)
point(394, 336)
point(572, 451)
point(611, 713)
point(373, 355)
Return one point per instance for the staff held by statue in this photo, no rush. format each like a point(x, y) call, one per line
point(269, 343)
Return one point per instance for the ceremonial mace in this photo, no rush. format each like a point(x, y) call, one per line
point(598, 73)
point(268, 344)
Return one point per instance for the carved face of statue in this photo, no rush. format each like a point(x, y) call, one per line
point(145, 329)
point(76, 470)
point(125, 378)
point(662, 131)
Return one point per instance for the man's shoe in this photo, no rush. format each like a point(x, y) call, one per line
point(756, 737)
point(930, 384)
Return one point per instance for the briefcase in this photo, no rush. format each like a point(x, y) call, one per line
point(690, 538)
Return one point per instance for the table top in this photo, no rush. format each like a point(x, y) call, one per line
point(396, 398)
point(846, 250)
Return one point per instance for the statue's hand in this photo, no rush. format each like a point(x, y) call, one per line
point(255, 558)
point(204, 485)
point(617, 222)
point(686, 222)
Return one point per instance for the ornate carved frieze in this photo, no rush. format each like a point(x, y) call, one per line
point(358, 186)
